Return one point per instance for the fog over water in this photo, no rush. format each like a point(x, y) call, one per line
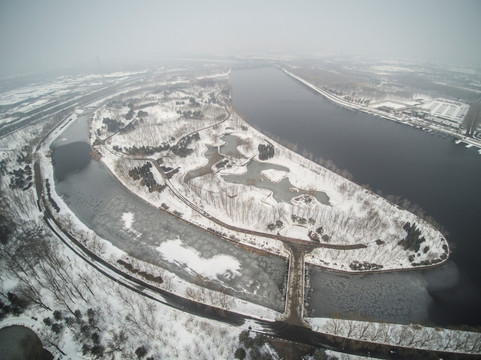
point(38, 36)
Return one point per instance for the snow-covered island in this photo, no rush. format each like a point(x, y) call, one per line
point(186, 151)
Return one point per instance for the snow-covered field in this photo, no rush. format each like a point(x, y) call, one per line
point(79, 313)
point(197, 186)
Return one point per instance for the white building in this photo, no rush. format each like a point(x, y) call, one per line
point(453, 111)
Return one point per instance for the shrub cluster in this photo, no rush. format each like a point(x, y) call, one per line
point(265, 151)
point(252, 346)
point(413, 239)
point(130, 114)
point(222, 164)
point(147, 178)
point(142, 113)
point(145, 275)
point(21, 178)
point(279, 224)
point(299, 220)
point(181, 149)
point(16, 305)
point(112, 125)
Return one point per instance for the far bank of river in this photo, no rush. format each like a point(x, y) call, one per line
point(425, 168)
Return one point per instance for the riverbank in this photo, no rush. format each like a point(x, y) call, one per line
point(405, 120)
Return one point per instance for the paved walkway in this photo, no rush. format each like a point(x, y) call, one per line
point(295, 287)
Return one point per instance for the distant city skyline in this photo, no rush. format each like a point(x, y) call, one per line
point(37, 36)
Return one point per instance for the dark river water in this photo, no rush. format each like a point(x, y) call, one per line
point(428, 169)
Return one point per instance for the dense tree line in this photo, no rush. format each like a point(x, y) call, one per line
point(3, 167)
point(364, 265)
point(143, 150)
point(409, 336)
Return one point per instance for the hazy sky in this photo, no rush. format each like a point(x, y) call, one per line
point(36, 35)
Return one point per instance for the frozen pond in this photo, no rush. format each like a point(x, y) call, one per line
point(147, 233)
point(212, 156)
point(393, 297)
point(229, 148)
point(282, 191)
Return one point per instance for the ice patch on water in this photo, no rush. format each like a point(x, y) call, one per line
point(274, 175)
point(173, 251)
point(128, 219)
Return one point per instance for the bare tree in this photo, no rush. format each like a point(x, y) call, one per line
point(365, 330)
point(334, 326)
point(429, 338)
